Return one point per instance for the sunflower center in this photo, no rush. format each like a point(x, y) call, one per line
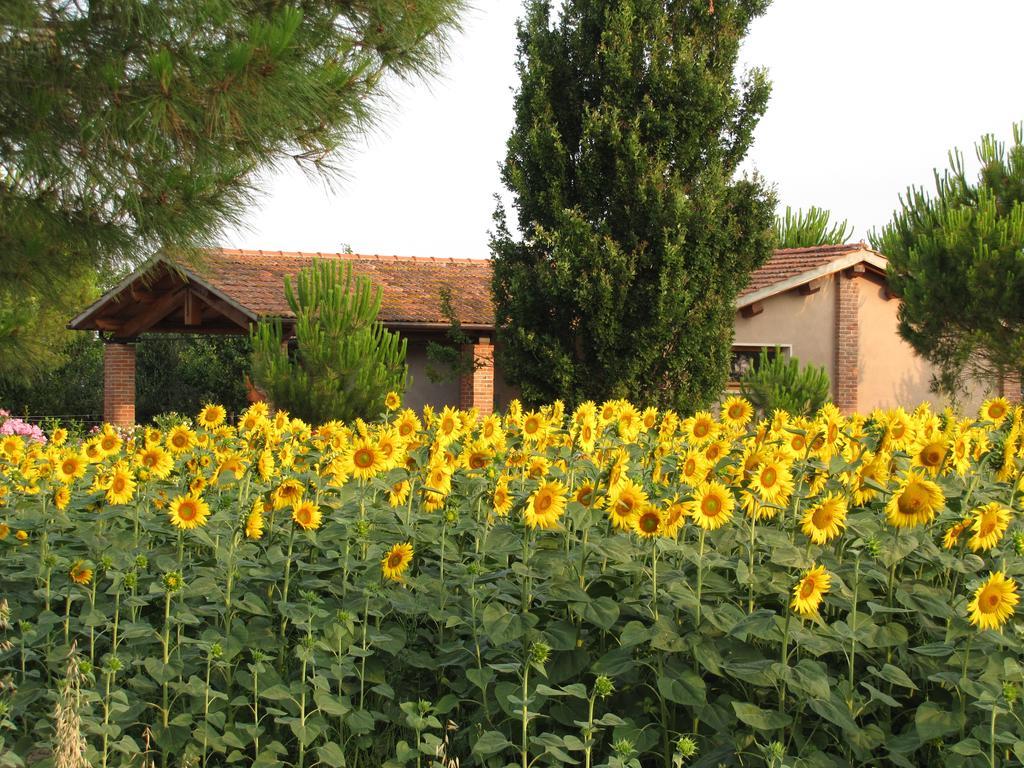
point(118, 485)
point(448, 425)
point(305, 515)
point(988, 525)
point(585, 496)
point(769, 477)
point(363, 458)
point(543, 502)
point(807, 588)
point(179, 441)
point(395, 560)
point(405, 429)
point(912, 499)
point(188, 511)
point(649, 523)
point(69, 467)
point(997, 411)
point(690, 467)
point(735, 411)
point(822, 518)
point(711, 506)
point(899, 430)
point(713, 452)
point(700, 429)
point(531, 425)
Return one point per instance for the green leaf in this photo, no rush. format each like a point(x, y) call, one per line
point(934, 722)
point(894, 675)
point(686, 688)
point(761, 719)
point(490, 742)
point(602, 612)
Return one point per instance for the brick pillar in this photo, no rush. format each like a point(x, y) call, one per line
point(476, 389)
point(1009, 387)
point(119, 383)
point(847, 371)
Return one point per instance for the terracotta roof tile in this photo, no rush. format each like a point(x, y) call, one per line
point(411, 285)
point(790, 262)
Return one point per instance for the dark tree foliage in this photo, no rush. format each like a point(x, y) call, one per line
point(173, 373)
point(131, 126)
point(636, 234)
point(956, 260)
point(797, 229)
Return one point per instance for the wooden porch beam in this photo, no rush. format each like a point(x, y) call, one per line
point(153, 314)
point(234, 314)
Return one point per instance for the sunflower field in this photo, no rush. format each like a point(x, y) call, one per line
point(608, 587)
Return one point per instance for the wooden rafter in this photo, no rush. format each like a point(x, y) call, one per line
point(153, 314)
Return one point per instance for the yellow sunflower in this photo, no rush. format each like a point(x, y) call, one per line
point(408, 425)
point(62, 497)
point(701, 428)
point(365, 459)
point(80, 573)
point(287, 494)
point(649, 523)
point(399, 493)
point(625, 502)
point(187, 512)
point(307, 515)
point(212, 416)
point(931, 455)
point(736, 412)
point(254, 522)
point(675, 517)
point(915, 502)
point(180, 439)
point(810, 591)
point(825, 520)
point(712, 506)
point(954, 532)
point(392, 401)
point(109, 443)
point(993, 602)
point(71, 467)
point(989, 524)
point(395, 563)
point(122, 485)
point(995, 409)
point(502, 499)
point(545, 506)
point(693, 469)
point(156, 460)
point(58, 437)
point(773, 482)
point(585, 494)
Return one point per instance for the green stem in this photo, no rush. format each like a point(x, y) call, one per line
point(785, 660)
point(588, 732)
point(106, 715)
point(750, 566)
point(362, 661)
point(654, 579)
point(992, 738)
point(524, 751)
point(853, 629)
point(287, 580)
point(700, 573)
point(206, 707)
point(167, 656)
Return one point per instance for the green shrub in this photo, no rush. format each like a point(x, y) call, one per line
point(778, 382)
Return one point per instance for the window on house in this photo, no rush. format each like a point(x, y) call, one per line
point(745, 357)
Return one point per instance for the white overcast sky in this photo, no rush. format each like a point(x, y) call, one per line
point(868, 98)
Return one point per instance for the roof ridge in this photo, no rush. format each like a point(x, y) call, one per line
point(350, 256)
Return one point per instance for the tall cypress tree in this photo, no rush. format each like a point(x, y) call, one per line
point(636, 234)
point(956, 259)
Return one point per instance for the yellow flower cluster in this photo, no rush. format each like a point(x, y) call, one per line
point(649, 474)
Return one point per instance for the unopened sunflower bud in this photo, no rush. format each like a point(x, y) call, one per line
point(50, 561)
point(623, 749)
point(603, 687)
point(775, 752)
point(686, 747)
point(363, 528)
point(1010, 693)
point(216, 651)
point(114, 665)
point(451, 516)
point(106, 563)
point(131, 580)
point(173, 581)
point(874, 549)
point(1018, 543)
point(142, 562)
point(539, 652)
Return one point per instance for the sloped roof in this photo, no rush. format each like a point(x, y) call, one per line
point(411, 285)
point(791, 267)
point(232, 288)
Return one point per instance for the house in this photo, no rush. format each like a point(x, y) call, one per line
point(826, 305)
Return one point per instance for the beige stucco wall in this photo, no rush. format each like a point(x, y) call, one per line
point(891, 373)
point(807, 323)
point(423, 391)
